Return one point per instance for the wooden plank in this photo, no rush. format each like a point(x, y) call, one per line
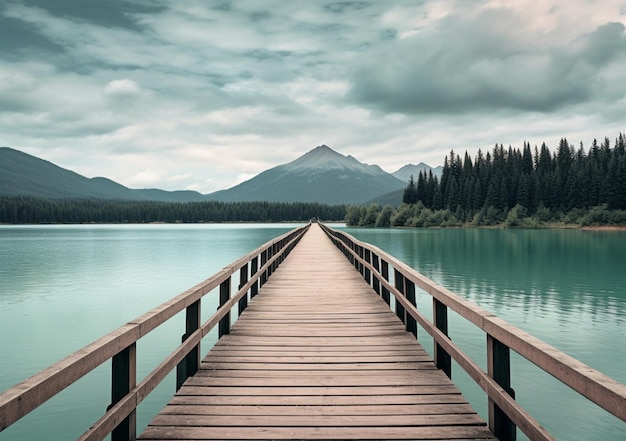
point(448, 420)
point(390, 409)
point(286, 350)
point(348, 391)
point(316, 359)
point(334, 341)
point(329, 433)
point(320, 372)
point(318, 400)
point(429, 378)
point(321, 367)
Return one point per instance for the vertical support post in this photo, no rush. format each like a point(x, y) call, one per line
point(224, 325)
point(376, 281)
point(440, 317)
point(361, 267)
point(123, 379)
point(385, 272)
point(409, 292)
point(243, 279)
point(263, 262)
point(273, 265)
point(254, 267)
point(499, 368)
point(191, 363)
point(399, 283)
point(367, 273)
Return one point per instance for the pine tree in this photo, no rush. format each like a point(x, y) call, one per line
point(410, 193)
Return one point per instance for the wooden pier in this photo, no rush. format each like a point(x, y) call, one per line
point(324, 347)
point(318, 355)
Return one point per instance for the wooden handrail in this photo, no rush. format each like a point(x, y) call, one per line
point(34, 391)
point(604, 391)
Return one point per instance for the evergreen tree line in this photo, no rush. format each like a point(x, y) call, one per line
point(25, 210)
point(515, 187)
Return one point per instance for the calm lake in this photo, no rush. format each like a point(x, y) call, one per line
point(62, 287)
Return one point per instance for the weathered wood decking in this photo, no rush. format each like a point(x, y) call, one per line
point(317, 355)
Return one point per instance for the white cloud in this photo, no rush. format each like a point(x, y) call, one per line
point(121, 88)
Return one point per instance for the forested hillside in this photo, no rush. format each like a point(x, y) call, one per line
point(41, 211)
point(517, 187)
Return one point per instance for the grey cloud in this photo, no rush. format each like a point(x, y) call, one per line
point(604, 44)
point(467, 64)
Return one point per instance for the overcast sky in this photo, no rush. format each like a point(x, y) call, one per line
point(202, 94)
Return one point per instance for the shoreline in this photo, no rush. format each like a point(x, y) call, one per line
point(604, 228)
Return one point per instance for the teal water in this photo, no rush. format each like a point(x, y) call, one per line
point(61, 287)
point(566, 287)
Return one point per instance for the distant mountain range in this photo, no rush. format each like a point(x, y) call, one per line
point(321, 175)
point(25, 175)
point(405, 173)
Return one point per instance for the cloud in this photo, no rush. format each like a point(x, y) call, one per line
point(471, 63)
point(121, 88)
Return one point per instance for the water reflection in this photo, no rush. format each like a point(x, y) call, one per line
point(569, 270)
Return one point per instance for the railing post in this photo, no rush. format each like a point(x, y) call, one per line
point(385, 273)
point(263, 262)
point(440, 319)
point(224, 325)
point(499, 368)
point(243, 279)
point(375, 280)
point(123, 379)
point(367, 273)
point(361, 266)
point(409, 292)
point(190, 364)
point(399, 283)
point(254, 267)
point(273, 265)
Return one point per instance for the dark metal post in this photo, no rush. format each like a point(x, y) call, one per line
point(254, 267)
point(224, 325)
point(123, 380)
point(361, 267)
point(385, 272)
point(399, 283)
point(368, 274)
point(243, 279)
point(263, 262)
point(440, 318)
point(499, 368)
point(376, 281)
point(191, 363)
point(409, 288)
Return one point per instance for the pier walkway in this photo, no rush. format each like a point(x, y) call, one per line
point(317, 355)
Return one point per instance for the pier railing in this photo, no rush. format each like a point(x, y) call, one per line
point(120, 345)
point(505, 414)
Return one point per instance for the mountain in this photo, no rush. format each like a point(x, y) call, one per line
point(25, 175)
point(321, 175)
point(404, 173)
